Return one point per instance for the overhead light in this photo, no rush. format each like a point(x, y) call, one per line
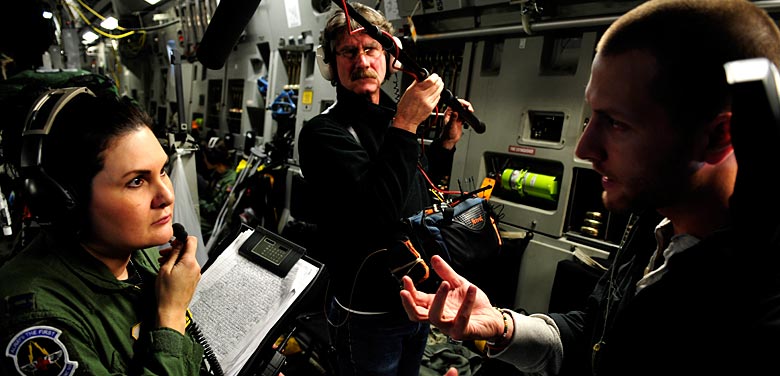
point(152, 2)
point(47, 15)
point(88, 37)
point(110, 23)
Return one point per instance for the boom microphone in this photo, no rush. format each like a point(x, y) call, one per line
point(410, 65)
point(468, 118)
point(230, 19)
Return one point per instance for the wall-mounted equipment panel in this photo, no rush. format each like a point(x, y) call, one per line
point(587, 220)
point(533, 120)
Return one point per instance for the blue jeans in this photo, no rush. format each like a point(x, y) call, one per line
point(377, 345)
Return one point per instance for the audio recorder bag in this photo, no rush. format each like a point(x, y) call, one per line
point(464, 234)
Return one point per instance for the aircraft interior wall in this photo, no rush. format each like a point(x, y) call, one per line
point(529, 91)
point(527, 87)
point(523, 65)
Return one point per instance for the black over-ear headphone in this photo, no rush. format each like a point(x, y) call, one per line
point(48, 200)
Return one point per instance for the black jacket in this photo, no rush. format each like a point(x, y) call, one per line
point(363, 186)
point(716, 311)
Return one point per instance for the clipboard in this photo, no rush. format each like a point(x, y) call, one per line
point(263, 358)
point(241, 306)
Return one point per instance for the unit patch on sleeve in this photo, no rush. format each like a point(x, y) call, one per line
point(38, 351)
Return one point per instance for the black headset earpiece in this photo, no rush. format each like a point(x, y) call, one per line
point(48, 200)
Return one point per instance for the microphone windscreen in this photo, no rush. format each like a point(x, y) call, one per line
point(230, 19)
point(179, 232)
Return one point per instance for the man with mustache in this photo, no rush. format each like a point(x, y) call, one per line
point(360, 157)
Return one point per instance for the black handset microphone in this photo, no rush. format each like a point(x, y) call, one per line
point(180, 233)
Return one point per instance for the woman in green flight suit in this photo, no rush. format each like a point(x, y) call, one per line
point(92, 294)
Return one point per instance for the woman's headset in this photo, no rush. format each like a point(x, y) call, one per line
point(48, 200)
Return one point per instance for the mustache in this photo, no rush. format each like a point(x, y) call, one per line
point(363, 73)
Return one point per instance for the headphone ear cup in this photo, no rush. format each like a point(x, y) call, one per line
point(323, 64)
point(48, 200)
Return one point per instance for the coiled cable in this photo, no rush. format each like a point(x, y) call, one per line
point(208, 352)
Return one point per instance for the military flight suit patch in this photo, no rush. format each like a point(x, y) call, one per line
point(38, 351)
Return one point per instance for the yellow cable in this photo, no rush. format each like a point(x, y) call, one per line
point(98, 15)
point(101, 32)
point(91, 10)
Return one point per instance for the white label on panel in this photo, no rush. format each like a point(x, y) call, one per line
point(391, 10)
point(293, 13)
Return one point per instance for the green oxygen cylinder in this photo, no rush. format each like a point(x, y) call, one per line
point(530, 183)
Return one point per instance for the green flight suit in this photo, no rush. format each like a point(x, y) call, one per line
point(211, 203)
point(63, 309)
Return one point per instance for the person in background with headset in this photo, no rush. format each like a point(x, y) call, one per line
point(360, 158)
point(705, 298)
point(91, 294)
point(214, 184)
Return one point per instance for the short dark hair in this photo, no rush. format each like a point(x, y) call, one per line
point(74, 152)
point(691, 40)
point(218, 153)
